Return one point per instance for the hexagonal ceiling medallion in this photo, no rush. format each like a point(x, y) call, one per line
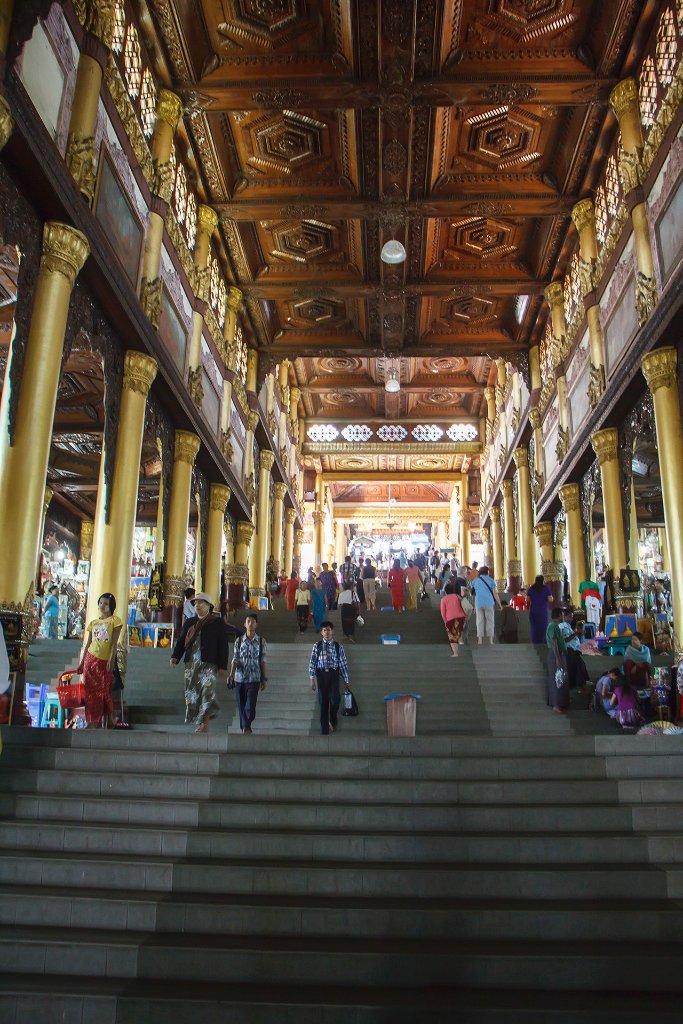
point(305, 241)
point(484, 237)
point(469, 308)
point(285, 142)
point(263, 22)
point(317, 311)
point(503, 138)
point(528, 19)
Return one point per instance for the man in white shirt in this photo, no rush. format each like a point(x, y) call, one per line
point(189, 611)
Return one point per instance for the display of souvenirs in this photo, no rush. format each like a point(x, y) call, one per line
point(156, 587)
point(151, 634)
point(629, 581)
point(620, 625)
point(662, 631)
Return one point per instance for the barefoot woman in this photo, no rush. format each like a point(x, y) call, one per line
point(97, 663)
point(203, 644)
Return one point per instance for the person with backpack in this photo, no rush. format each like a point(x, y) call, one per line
point(248, 672)
point(328, 663)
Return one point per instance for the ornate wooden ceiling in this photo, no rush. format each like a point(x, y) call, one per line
point(467, 129)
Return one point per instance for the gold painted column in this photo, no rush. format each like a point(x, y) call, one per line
point(249, 474)
point(159, 552)
point(237, 573)
point(606, 445)
point(633, 542)
point(441, 537)
point(486, 544)
point(535, 368)
point(513, 566)
point(538, 482)
point(259, 552)
point(219, 496)
point(583, 216)
point(298, 544)
point(168, 111)
point(664, 550)
point(6, 9)
point(527, 541)
point(490, 396)
point(465, 523)
point(81, 158)
point(625, 105)
point(498, 570)
point(554, 295)
point(112, 547)
point(501, 368)
point(207, 221)
point(552, 570)
point(659, 369)
point(23, 464)
point(339, 541)
point(570, 496)
point(290, 519)
point(86, 540)
point(233, 301)
point(279, 493)
point(283, 383)
point(318, 536)
point(185, 452)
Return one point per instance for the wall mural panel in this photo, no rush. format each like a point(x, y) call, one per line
point(122, 225)
point(173, 331)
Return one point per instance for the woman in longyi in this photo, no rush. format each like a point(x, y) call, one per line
point(97, 663)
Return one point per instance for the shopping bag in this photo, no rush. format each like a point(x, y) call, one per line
point(360, 620)
point(70, 695)
point(350, 709)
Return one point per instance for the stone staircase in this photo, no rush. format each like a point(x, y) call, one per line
point(154, 877)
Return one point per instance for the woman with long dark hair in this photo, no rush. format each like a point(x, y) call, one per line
point(539, 599)
point(97, 663)
point(625, 700)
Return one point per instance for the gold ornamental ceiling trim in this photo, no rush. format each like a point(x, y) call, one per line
point(393, 448)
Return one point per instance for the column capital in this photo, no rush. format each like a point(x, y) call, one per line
point(623, 97)
point(521, 457)
point(233, 299)
point(252, 420)
point(245, 531)
point(169, 108)
point(266, 460)
point(465, 516)
point(99, 20)
point(605, 444)
point(207, 219)
point(544, 532)
point(554, 294)
point(489, 393)
point(299, 535)
point(280, 490)
point(659, 368)
point(494, 513)
point(290, 516)
point(186, 446)
point(506, 488)
point(65, 250)
point(219, 496)
point(570, 496)
point(139, 371)
point(583, 214)
point(319, 516)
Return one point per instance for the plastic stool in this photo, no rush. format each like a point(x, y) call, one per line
point(52, 701)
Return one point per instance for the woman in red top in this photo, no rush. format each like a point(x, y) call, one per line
point(290, 592)
point(397, 584)
point(453, 617)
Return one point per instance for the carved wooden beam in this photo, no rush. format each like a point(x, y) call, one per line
point(469, 204)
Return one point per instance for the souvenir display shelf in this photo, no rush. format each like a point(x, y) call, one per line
point(151, 634)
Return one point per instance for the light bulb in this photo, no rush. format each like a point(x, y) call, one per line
point(392, 252)
point(392, 384)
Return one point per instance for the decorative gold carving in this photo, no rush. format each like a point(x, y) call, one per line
point(87, 533)
point(233, 300)
point(646, 296)
point(179, 244)
point(280, 490)
point(514, 567)
point(99, 20)
point(129, 120)
point(562, 446)
point(272, 423)
point(245, 531)
point(521, 457)
point(219, 496)
point(554, 294)
point(226, 445)
point(283, 454)
point(250, 489)
point(207, 220)
point(535, 418)
point(150, 297)
point(665, 116)
point(186, 446)
point(514, 422)
point(266, 460)
point(583, 214)
point(552, 571)
point(139, 372)
point(596, 385)
point(200, 282)
point(659, 368)
point(162, 184)
point(506, 488)
point(586, 276)
point(570, 496)
point(495, 514)
point(624, 97)
point(169, 108)
point(537, 485)
point(239, 393)
point(6, 122)
point(630, 171)
point(290, 516)
point(65, 250)
point(253, 419)
point(319, 517)
point(544, 532)
point(195, 387)
point(299, 536)
point(174, 590)
point(237, 573)
point(606, 444)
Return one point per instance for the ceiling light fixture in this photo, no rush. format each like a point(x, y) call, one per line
point(392, 383)
point(393, 252)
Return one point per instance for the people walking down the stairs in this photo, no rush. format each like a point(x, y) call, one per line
point(327, 665)
point(397, 585)
point(625, 700)
point(318, 604)
point(97, 663)
point(434, 563)
point(51, 612)
point(348, 606)
point(348, 571)
point(638, 662)
point(290, 591)
point(248, 671)
point(539, 597)
point(558, 680)
point(472, 572)
point(203, 646)
point(329, 584)
point(453, 617)
point(519, 601)
point(188, 605)
point(486, 600)
point(576, 666)
point(303, 605)
point(509, 627)
point(413, 583)
point(369, 584)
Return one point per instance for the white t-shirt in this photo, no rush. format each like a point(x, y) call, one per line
point(346, 597)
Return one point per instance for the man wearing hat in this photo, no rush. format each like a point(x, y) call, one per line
point(203, 646)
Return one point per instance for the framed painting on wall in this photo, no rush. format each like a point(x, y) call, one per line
point(172, 331)
point(121, 223)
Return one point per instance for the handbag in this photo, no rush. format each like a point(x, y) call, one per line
point(466, 605)
point(350, 709)
point(360, 620)
point(70, 695)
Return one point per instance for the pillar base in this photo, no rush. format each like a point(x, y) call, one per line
point(553, 573)
point(514, 575)
point(628, 601)
point(237, 580)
